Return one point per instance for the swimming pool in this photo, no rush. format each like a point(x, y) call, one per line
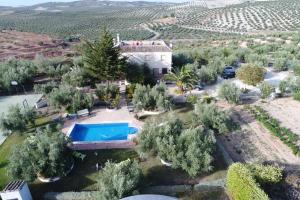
point(101, 132)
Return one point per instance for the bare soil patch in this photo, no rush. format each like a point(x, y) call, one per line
point(27, 45)
point(253, 143)
point(287, 111)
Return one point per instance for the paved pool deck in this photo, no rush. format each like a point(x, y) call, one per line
point(104, 115)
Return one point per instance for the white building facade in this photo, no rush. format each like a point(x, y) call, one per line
point(16, 190)
point(156, 54)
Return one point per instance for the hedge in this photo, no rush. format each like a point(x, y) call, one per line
point(241, 184)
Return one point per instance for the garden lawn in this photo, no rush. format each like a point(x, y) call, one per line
point(84, 175)
point(14, 140)
point(5, 149)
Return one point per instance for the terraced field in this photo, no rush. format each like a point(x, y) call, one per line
point(281, 15)
point(145, 20)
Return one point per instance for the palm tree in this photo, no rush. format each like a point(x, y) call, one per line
point(185, 79)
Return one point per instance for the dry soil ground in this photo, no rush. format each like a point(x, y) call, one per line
point(287, 111)
point(254, 143)
point(27, 45)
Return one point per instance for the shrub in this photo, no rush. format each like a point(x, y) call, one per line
point(266, 173)
point(180, 59)
point(230, 92)
point(195, 150)
point(284, 86)
point(148, 98)
point(295, 65)
point(251, 74)
point(43, 154)
point(241, 184)
point(16, 70)
point(266, 90)
point(136, 73)
point(110, 94)
point(16, 119)
point(211, 117)
point(68, 98)
point(118, 180)
point(46, 88)
point(188, 149)
point(281, 64)
point(75, 77)
point(207, 75)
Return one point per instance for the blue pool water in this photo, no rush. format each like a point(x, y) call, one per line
point(101, 132)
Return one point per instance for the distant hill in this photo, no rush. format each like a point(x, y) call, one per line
point(144, 20)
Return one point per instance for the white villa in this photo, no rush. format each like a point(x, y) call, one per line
point(156, 54)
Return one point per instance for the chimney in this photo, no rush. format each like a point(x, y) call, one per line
point(118, 38)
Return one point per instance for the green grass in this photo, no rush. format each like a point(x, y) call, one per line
point(84, 174)
point(5, 149)
point(12, 141)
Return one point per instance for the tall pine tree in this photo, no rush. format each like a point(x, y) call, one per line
point(103, 60)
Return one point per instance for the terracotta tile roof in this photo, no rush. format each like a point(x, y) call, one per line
point(144, 46)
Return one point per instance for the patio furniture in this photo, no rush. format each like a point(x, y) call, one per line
point(84, 112)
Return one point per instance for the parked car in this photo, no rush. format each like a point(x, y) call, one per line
point(229, 72)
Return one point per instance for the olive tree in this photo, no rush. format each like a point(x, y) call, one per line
point(189, 149)
point(211, 117)
point(43, 154)
point(118, 179)
point(230, 92)
point(266, 89)
point(16, 119)
point(68, 98)
point(155, 98)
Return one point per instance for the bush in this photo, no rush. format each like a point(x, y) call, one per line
point(16, 119)
point(266, 90)
point(110, 94)
point(230, 92)
point(188, 149)
point(195, 150)
point(251, 74)
point(118, 180)
point(136, 73)
point(266, 174)
point(295, 65)
point(207, 75)
point(68, 98)
point(281, 64)
point(75, 77)
point(16, 70)
point(43, 154)
point(46, 88)
point(211, 117)
point(241, 184)
point(155, 98)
